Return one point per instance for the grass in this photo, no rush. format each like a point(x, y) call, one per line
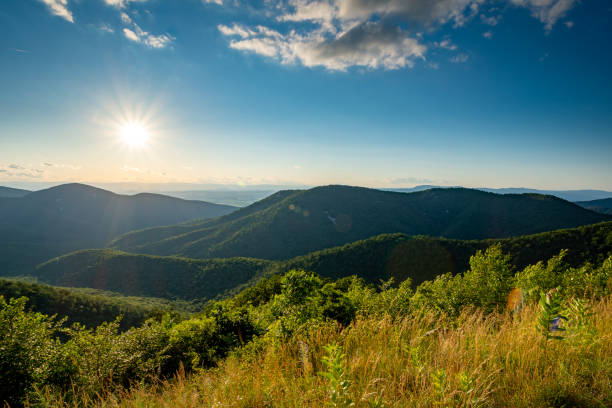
point(477, 360)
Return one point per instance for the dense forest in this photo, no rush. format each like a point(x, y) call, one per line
point(88, 307)
point(290, 224)
point(491, 336)
point(397, 256)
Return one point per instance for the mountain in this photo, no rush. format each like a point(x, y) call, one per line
point(397, 256)
point(603, 206)
point(89, 309)
point(292, 223)
point(9, 192)
point(144, 275)
point(47, 223)
point(569, 195)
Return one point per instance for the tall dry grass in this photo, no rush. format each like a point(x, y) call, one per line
point(496, 360)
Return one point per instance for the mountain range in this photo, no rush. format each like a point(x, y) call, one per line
point(382, 257)
point(603, 206)
point(292, 223)
point(569, 195)
point(47, 223)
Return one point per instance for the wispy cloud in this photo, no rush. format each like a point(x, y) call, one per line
point(59, 8)
point(63, 166)
point(460, 59)
point(152, 41)
point(17, 171)
point(547, 11)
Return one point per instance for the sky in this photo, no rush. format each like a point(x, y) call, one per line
point(378, 93)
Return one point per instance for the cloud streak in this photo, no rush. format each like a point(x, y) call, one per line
point(59, 8)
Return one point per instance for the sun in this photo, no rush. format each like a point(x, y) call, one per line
point(134, 134)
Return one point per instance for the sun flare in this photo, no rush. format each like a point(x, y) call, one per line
point(134, 134)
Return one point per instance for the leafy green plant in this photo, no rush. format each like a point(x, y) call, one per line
point(550, 316)
point(338, 380)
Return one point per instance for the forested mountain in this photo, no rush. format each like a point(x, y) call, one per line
point(85, 308)
point(397, 256)
point(9, 192)
point(603, 206)
point(293, 223)
point(144, 275)
point(50, 222)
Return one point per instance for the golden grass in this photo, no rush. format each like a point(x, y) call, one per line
point(497, 360)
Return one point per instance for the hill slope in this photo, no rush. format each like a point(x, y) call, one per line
point(603, 206)
point(293, 223)
point(50, 222)
point(381, 257)
point(88, 309)
point(9, 192)
point(144, 275)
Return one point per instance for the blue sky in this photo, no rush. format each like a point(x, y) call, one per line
point(384, 93)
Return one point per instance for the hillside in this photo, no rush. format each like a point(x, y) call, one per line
point(378, 258)
point(9, 192)
point(90, 309)
point(50, 222)
point(142, 275)
point(603, 206)
point(293, 223)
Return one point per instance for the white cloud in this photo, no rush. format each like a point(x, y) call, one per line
point(125, 18)
point(235, 30)
point(152, 41)
point(387, 34)
point(59, 8)
point(490, 20)
point(219, 2)
point(106, 28)
point(446, 44)
point(372, 44)
point(547, 11)
point(459, 59)
point(130, 35)
point(122, 3)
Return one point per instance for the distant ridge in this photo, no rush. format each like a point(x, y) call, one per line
point(292, 223)
point(569, 195)
point(49, 222)
point(9, 192)
point(603, 206)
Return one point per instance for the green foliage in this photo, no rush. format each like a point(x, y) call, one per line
point(280, 309)
point(550, 316)
point(87, 307)
point(337, 377)
point(486, 284)
point(28, 350)
point(305, 297)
